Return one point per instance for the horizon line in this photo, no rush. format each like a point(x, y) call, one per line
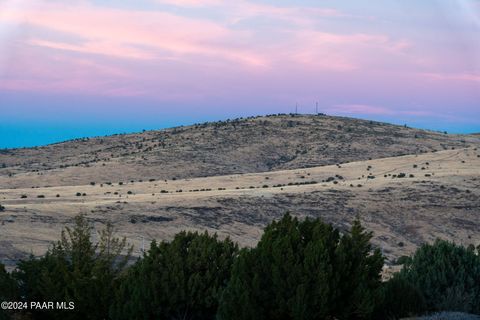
point(227, 120)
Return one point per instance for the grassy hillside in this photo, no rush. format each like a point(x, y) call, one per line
point(240, 146)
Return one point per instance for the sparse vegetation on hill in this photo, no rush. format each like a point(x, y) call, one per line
point(255, 144)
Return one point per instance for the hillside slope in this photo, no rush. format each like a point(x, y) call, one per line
point(241, 146)
point(404, 200)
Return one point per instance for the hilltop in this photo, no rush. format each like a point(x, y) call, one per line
point(257, 144)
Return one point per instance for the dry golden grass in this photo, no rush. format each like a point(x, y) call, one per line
point(440, 199)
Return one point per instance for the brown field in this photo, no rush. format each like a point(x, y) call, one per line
point(234, 177)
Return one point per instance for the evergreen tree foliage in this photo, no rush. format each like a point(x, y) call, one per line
point(8, 290)
point(76, 270)
point(305, 270)
point(448, 276)
point(400, 299)
point(181, 279)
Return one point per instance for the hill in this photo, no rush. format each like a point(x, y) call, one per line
point(239, 146)
point(234, 177)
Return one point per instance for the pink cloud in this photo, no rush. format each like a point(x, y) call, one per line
point(365, 109)
point(99, 47)
point(359, 109)
point(469, 77)
point(123, 33)
point(192, 3)
point(150, 37)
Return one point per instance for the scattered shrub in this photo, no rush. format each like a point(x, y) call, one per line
point(402, 260)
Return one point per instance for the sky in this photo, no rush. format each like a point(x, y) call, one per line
point(72, 69)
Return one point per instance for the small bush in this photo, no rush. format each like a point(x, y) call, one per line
point(2, 208)
point(23, 196)
point(40, 196)
point(78, 194)
point(402, 260)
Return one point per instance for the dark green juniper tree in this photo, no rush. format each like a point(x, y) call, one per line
point(181, 279)
point(448, 275)
point(305, 270)
point(8, 290)
point(75, 269)
point(400, 299)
